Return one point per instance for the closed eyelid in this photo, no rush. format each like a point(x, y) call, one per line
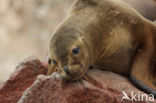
point(49, 60)
point(54, 62)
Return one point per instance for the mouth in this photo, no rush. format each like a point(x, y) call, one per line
point(73, 72)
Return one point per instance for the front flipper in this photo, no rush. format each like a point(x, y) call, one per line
point(144, 65)
point(143, 85)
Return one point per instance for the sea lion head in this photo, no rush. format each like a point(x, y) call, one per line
point(69, 53)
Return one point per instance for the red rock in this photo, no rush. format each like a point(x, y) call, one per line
point(23, 77)
point(96, 87)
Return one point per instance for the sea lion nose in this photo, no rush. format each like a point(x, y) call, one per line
point(65, 68)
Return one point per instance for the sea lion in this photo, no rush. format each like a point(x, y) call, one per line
point(108, 35)
point(147, 8)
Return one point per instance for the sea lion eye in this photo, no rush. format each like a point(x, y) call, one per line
point(49, 61)
point(76, 50)
point(54, 62)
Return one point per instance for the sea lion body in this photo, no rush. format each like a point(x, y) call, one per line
point(109, 35)
point(147, 8)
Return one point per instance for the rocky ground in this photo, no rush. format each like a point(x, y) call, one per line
point(29, 84)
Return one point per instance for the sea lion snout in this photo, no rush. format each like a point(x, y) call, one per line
point(65, 68)
point(73, 70)
point(70, 55)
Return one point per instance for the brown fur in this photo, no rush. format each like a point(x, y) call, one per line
point(111, 36)
point(146, 8)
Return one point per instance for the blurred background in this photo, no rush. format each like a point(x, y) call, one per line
point(25, 29)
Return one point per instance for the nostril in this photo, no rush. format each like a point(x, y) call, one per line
point(66, 69)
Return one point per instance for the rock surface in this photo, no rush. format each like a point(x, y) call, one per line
point(96, 87)
point(24, 75)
